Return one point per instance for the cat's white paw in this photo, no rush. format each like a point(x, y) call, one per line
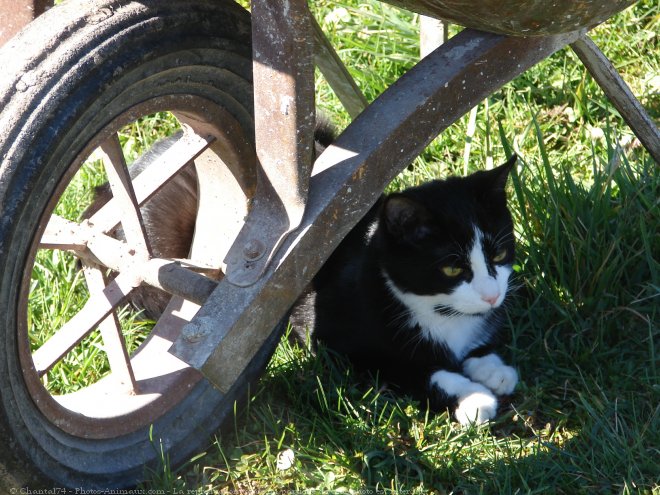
point(476, 404)
point(476, 408)
point(490, 371)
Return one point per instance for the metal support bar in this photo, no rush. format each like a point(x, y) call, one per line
point(619, 93)
point(283, 72)
point(94, 247)
point(124, 196)
point(347, 180)
point(335, 72)
point(149, 182)
point(95, 310)
point(114, 343)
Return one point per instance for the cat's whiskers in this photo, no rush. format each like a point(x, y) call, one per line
point(451, 314)
point(402, 319)
point(502, 237)
point(416, 339)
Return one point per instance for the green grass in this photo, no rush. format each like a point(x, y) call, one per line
point(583, 321)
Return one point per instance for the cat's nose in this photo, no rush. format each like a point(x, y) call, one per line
point(492, 300)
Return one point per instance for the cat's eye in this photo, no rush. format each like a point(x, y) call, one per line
point(452, 271)
point(500, 256)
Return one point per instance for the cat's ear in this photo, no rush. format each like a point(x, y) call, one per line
point(499, 175)
point(491, 184)
point(405, 218)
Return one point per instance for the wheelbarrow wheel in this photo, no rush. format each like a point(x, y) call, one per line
point(89, 393)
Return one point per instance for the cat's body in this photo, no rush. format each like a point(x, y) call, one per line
point(415, 292)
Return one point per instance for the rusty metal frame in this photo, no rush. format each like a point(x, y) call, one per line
point(347, 179)
point(283, 70)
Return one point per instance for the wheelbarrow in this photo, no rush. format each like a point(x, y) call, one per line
point(241, 86)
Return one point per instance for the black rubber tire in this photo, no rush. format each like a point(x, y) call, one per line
point(65, 77)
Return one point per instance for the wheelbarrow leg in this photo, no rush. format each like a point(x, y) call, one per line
point(347, 180)
point(619, 93)
point(283, 71)
point(336, 73)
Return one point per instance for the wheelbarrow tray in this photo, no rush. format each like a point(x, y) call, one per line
point(519, 17)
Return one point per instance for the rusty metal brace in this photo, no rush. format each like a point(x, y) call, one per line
point(347, 179)
point(286, 45)
point(283, 71)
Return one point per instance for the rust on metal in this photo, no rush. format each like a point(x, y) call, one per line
point(15, 14)
point(348, 178)
point(283, 72)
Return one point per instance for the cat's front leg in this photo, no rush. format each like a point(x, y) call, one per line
point(476, 404)
point(490, 371)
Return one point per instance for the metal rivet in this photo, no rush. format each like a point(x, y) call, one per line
point(195, 331)
point(253, 250)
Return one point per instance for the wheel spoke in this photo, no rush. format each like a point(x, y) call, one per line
point(62, 234)
point(95, 310)
point(125, 200)
point(147, 183)
point(113, 339)
point(180, 277)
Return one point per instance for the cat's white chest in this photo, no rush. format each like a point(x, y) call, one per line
point(459, 333)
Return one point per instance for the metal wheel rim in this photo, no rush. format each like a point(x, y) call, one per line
point(108, 409)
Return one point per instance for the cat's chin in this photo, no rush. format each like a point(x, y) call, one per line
point(449, 311)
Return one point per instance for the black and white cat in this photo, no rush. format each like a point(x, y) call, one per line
point(415, 293)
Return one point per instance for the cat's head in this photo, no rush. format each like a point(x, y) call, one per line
point(447, 246)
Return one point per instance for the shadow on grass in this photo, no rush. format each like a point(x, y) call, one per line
point(347, 436)
point(584, 419)
point(585, 416)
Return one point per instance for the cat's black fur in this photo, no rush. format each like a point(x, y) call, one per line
point(408, 236)
point(356, 304)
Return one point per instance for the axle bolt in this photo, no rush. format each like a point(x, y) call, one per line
point(253, 250)
point(196, 330)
